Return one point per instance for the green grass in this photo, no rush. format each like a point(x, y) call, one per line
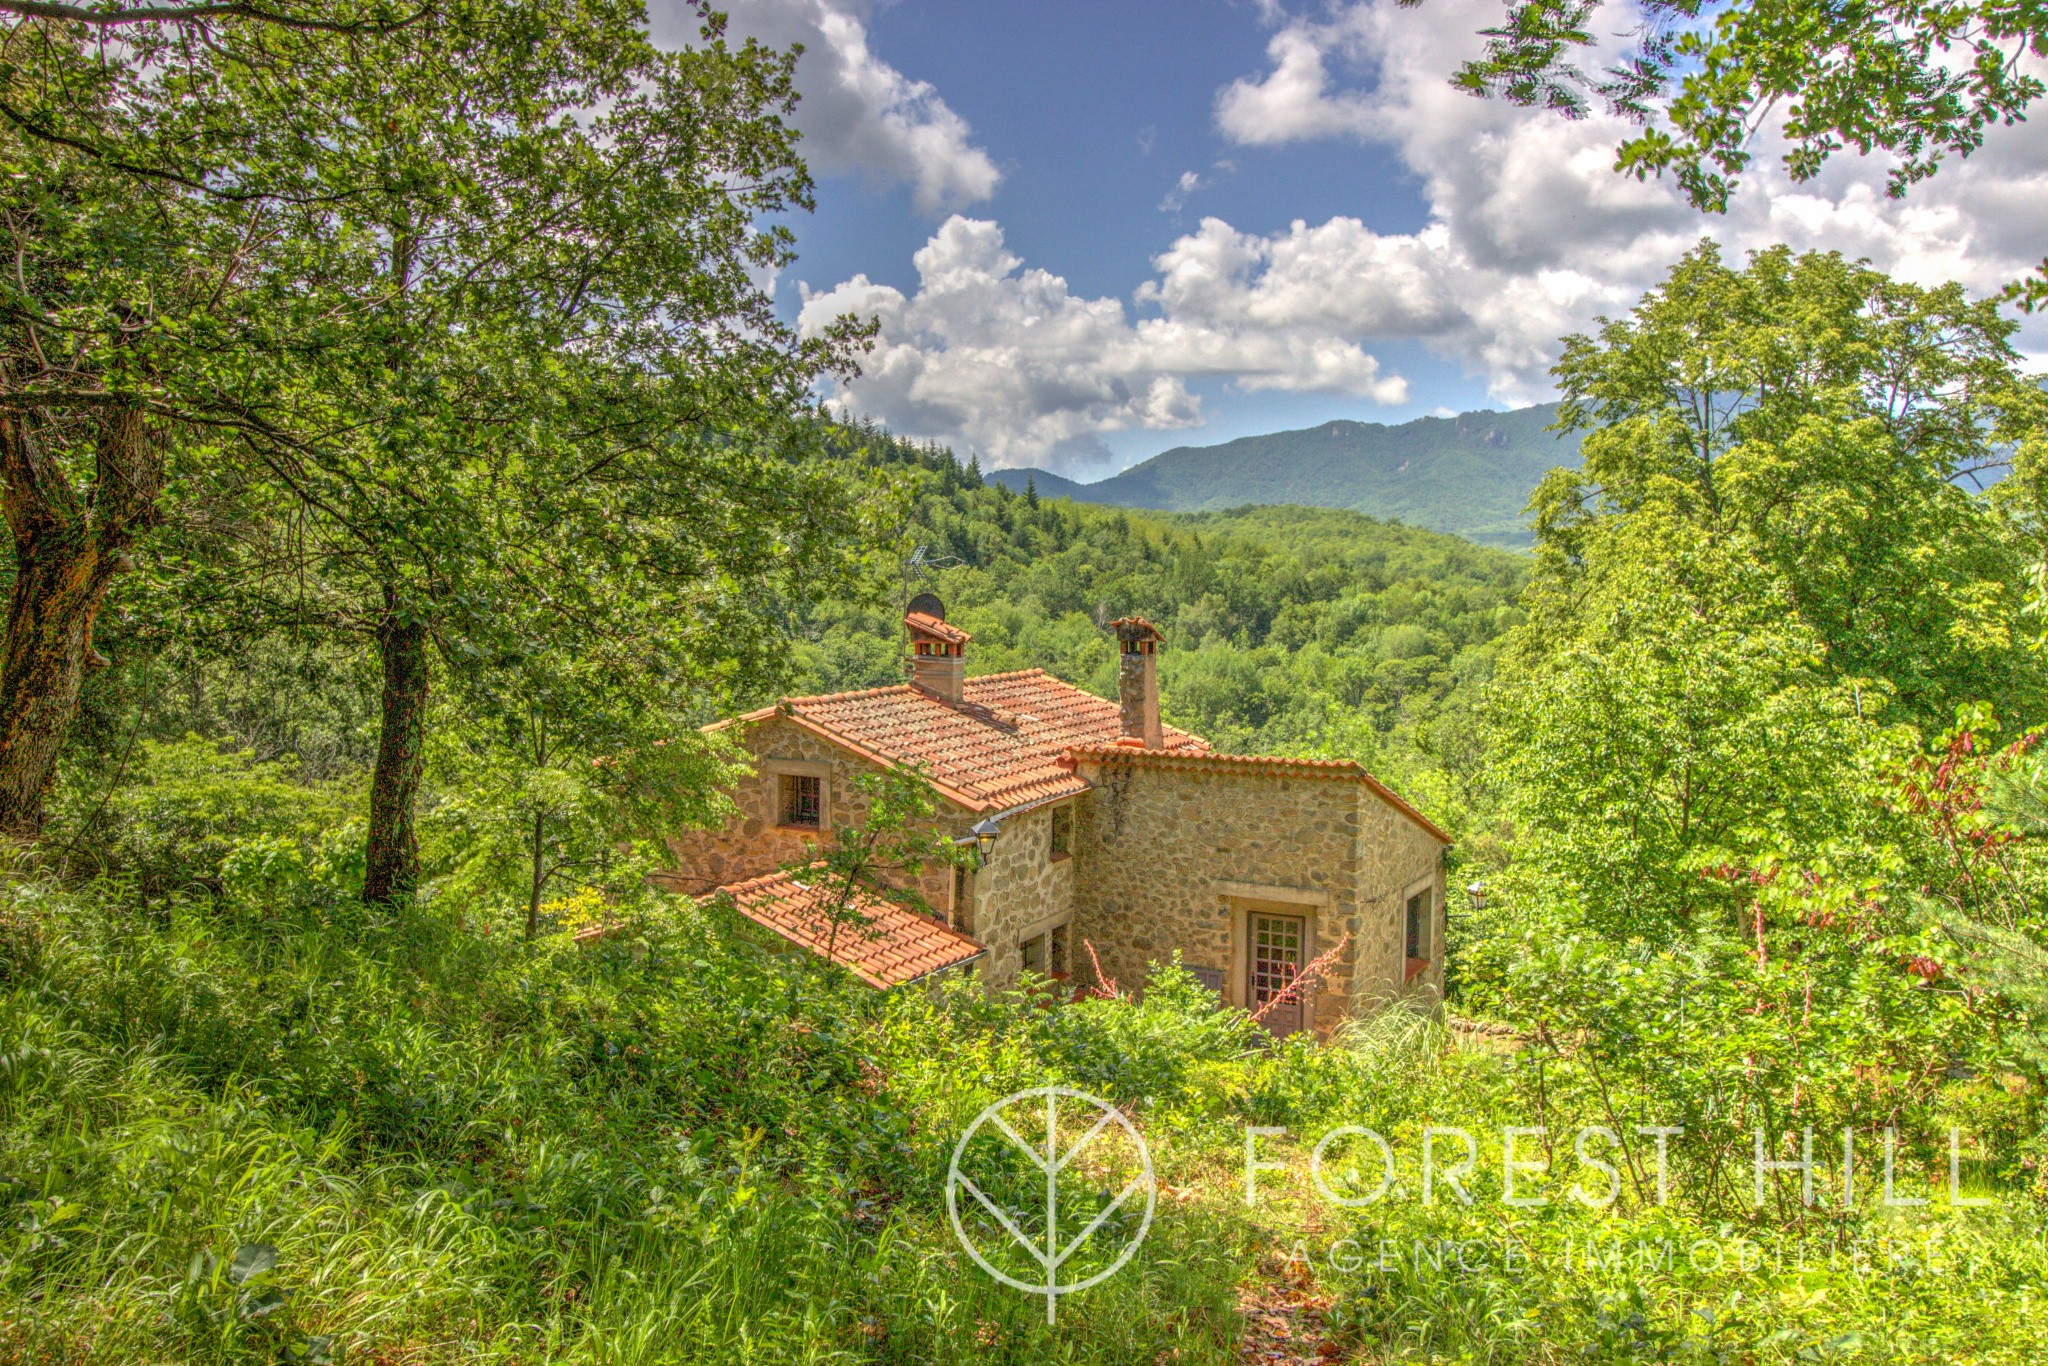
point(282, 1136)
point(666, 1148)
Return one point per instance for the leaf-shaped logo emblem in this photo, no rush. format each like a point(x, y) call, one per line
point(1049, 1182)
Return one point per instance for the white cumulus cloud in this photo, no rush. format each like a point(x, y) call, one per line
point(1007, 362)
point(858, 113)
point(1293, 99)
point(1533, 233)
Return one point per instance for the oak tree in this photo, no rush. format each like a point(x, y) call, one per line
point(469, 312)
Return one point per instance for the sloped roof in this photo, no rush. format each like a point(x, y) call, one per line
point(1000, 749)
point(883, 943)
point(1270, 764)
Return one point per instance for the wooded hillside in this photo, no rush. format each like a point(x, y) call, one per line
point(1470, 474)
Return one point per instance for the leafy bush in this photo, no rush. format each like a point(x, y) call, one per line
point(1145, 1052)
point(187, 807)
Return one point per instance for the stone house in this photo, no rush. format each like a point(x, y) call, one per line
point(1112, 831)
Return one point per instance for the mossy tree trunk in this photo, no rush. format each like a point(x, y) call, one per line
point(393, 864)
point(69, 544)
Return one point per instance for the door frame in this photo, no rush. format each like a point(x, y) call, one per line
point(1302, 902)
point(1304, 1007)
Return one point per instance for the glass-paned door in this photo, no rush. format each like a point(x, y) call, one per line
point(1274, 962)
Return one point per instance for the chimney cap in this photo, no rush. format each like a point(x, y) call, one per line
point(933, 628)
point(1134, 630)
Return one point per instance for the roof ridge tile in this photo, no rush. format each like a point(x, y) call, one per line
point(880, 691)
point(1002, 746)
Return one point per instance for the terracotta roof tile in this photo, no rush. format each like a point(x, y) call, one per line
point(1270, 764)
point(1001, 748)
point(886, 946)
point(923, 623)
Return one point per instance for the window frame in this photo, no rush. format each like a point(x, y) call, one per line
point(1060, 832)
point(1055, 939)
point(1242, 900)
point(1418, 928)
point(773, 771)
point(1280, 930)
point(789, 798)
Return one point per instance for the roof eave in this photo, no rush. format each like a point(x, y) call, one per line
point(744, 718)
point(953, 794)
point(816, 950)
point(1021, 807)
point(974, 957)
point(1343, 770)
point(1400, 804)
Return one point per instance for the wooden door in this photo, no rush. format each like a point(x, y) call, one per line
point(1275, 960)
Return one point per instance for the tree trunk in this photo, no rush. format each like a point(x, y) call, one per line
point(67, 550)
point(540, 877)
point(393, 863)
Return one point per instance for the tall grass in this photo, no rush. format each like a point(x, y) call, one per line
point(295, 1134)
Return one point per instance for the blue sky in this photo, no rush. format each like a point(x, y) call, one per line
point(1093, 111)
point(1093, 231)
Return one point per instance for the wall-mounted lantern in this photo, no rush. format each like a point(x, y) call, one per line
point(982, 836)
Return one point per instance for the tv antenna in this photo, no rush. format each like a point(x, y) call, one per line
point(920, 564)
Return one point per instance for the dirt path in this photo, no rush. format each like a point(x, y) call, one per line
point(1283, 1311)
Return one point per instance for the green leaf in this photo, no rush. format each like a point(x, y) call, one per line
point(264, 1303)
point(252, 1260)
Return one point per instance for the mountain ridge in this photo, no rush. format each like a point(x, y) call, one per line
point(1470, 474)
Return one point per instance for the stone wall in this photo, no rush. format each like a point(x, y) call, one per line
point(1172, 854)
point(1396, 858)
point(1022, 890)
point(755, 842)
point(1177, 856)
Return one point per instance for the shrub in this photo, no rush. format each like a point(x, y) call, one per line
point(191, 803)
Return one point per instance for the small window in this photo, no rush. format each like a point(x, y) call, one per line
point(1058, 941)
point(1033, 950)
point(1418, 915)
point(963, 888)
point(1062, 831)
point(802, 800)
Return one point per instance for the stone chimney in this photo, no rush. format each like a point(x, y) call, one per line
point(1137, 681)
point(938, 653)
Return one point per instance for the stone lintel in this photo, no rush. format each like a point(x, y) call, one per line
point(1263, 891)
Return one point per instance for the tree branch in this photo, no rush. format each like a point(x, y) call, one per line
point(122, 164)
point(33, 490)
point(187, 14)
